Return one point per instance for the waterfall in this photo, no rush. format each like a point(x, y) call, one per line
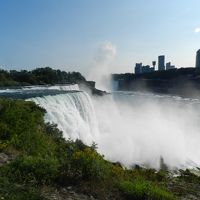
point(24, 89)
point(132, 128)
point(73, 87)
point(73, 113)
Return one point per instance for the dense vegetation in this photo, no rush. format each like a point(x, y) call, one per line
point(39, 76)
point(39, 157)
point(46, 76)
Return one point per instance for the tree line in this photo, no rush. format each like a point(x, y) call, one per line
point(39, 76)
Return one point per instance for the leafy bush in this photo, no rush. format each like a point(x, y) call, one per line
point(89, 165)
point(12, 191)
point(33, 170)
point(117, 172)
point(144, 190)
point(149, 174)
point(21, 126)
point(3, 145)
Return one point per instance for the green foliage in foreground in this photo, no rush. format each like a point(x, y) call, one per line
point(88, 164)
point(34, 169)
point(12, 191)
point(44, 158)
point(141, 189)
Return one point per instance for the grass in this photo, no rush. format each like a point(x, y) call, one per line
point(144, 190)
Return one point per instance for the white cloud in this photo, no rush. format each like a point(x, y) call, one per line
point(197, 30)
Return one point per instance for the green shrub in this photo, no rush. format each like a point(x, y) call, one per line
point(21, 126)
point(3, 145)
point(117, 172)
point(33, 170)
point(143, 190)
point(148, 174)
point(89, 165)
point(12, 191)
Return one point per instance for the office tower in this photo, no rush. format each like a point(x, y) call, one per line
point(161, 62)
point(147, 69)
point(138, 68)
point(198, 59)
point(169, 66)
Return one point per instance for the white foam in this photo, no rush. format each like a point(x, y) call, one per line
point(129, 127)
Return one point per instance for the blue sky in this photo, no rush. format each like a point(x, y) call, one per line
point(72, 34)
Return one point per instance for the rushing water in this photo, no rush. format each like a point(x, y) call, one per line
point(129, 127)
point(73, 112)
point(141, 127)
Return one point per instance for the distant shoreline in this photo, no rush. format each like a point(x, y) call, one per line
point(183, 82)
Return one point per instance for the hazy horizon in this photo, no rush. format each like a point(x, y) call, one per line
point(86, 35)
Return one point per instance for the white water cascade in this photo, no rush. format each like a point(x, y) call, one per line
point(72, 87)
point(73, 113)
point(131, 128)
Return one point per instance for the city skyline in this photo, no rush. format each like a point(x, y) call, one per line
point(161, 65)
point(86, 35)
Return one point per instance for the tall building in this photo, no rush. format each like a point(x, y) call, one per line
point(147, 69)
point(138, 68)
point(169, 66)
point(161, 63)
point(198, 59)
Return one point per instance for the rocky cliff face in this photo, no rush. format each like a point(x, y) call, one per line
point(89, 86)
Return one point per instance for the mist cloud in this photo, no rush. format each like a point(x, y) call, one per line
point(103, 65)
point(140, 128)
point(197, 30)
point(105, 52)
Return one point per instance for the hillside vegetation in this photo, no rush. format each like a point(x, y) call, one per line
point(39, 76)
point(46, 76)
point(35, 160)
